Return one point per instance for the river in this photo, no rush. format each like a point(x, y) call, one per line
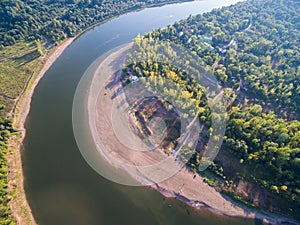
point(60, 186)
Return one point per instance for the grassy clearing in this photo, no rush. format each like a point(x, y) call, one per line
point(16, 49)
point(14, 74)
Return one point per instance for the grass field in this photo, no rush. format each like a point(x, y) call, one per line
point(16, 49)
point(14, 73)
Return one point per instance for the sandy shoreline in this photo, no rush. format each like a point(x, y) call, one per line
point(19, 204)
point(183, 185)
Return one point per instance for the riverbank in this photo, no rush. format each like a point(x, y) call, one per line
point(183, 185)
point(18, 203)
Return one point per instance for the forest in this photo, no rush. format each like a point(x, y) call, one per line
point(5, 132)
point(253, 50)
point(55, 20)
point(253, 47)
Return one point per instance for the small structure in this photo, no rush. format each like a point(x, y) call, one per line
point(222, 51)
point(134, 78)
point(206, 44)
point(189, 41)
point(209, 46)
point(231, 44)
point(207, 38)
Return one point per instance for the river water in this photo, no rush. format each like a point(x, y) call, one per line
point(61, 187)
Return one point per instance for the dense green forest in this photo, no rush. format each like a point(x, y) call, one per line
point(5, 132)
point(58, 19)
point(253, 49)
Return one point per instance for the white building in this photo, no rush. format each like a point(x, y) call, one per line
point(135, 79)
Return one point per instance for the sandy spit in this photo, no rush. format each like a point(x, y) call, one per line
point(183, 185)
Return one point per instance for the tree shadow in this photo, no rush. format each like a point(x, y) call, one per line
point(24, 59)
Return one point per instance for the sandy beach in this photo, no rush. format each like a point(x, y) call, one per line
point(19, 205)
point(183, 185)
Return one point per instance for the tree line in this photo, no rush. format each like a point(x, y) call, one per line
point(5, 132)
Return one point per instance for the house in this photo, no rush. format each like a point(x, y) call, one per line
point(206, 44)
point(189, 41)
point(231, 44)
point(134, 78)
point(189, 30)
point(222, 51)
point(207, 38)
